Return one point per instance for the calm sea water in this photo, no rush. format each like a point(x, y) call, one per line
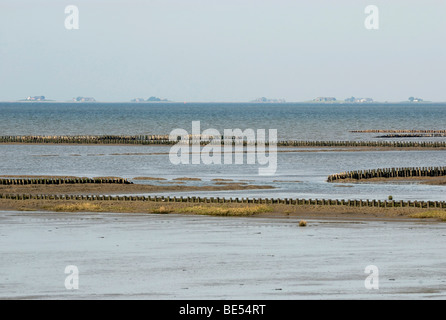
point(299, 174)
point(293, 121)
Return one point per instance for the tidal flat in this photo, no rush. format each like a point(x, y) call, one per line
point(153, 256)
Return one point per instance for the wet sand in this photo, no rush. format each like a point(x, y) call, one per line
point(274, 210)
point(149, 178)
point(242, 209)
point(146, 256)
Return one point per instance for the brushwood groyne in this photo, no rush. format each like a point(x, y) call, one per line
point(164, 140)
point(197, 200)
point(398, 131)
point(389, 173)
point(57, 181)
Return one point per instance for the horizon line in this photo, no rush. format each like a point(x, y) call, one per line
point(210, 101)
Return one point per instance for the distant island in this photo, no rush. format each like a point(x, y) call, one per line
point(347, 100)
point(266, 100)
point(317, 100)
point(84, 99)
point(359, 100)
point(324, 99)
point(44, 99)
point(35, 98)
point(413, 99)
point(355, 100)
point(151, 99)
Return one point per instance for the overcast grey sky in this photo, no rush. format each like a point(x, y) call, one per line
point(223, 50)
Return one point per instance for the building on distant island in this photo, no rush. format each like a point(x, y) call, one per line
point(263, 99)
point(413, 99)
point(151, 99)
point(84, 99)
point(156, 99)
point(324, 99)
point(359, 100)
point(36, 98)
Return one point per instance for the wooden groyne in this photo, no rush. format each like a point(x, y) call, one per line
point(398, 131)
point(272, 201)
point(389, 173)
point(46, 181)
point(164, 140)
point(88, 139)
point(413, 135)
point(365, 144)
point(404, 133)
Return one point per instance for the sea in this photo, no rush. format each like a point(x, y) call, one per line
point(147, 256)
point(296, 121)
point(299, 173)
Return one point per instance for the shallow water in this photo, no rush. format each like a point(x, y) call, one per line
point(292, 121)
point(311, 169)
point(142, 256)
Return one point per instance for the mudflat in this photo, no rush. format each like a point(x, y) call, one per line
point(301, 211)
point(110, 189)
point(227, 209)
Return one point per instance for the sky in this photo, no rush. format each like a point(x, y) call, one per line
point(222, 50)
